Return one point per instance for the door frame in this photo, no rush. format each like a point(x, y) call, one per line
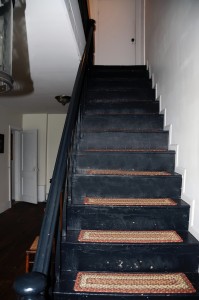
point(140, 32)
point(17, 148)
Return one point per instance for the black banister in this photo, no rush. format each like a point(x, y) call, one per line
point(33, 284)
point(85, 15)
point(47, 231)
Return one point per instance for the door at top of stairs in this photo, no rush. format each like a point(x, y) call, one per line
point(118, 32)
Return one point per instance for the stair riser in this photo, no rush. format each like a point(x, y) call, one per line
point(128, 218)
point(121, 95)
point(118, 68)
point(115, 84)
point(127, 75)
point(126, 122)
point(126, 161)
point(122, 108)
point(118, 73)
point(131, 258)
point(124, 186)
point(124, 140)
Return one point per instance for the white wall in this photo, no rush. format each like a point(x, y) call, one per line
point(172, 50)
point(49, 128)
point(76, 22)
point(15, 121)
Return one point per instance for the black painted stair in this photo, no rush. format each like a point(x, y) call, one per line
point(123, 180)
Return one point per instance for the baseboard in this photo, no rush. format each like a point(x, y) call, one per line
point(4, 206)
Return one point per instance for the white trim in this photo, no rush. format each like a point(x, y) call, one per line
point(9, 165)
point(10, 129)
point(139, 32)
point(41, 193)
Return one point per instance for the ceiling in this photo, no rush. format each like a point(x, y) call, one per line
point(45, 57)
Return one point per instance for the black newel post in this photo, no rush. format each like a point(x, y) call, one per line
point(31, 286)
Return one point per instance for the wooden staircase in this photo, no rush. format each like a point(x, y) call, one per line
point(127, 226)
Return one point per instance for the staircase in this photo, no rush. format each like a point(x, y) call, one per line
point(127, 227)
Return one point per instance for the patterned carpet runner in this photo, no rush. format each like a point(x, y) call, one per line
point(126, 173)
point(153, 283)
point(138, 237)
point(129, 201)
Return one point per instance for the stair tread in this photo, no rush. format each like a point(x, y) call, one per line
point(125, 173)
point(101, 202)
point(187, 239)
point(152, 115)
point(129, 201)
point(66, 285)
point(121, 130)
point(122, 114)
point(129, 237)
point(133, 283)
point(128, 131)
point(124, 130)
point(126, 151)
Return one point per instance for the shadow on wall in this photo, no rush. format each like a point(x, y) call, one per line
point(23, 83)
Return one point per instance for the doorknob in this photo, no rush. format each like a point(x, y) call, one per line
point(132, 40)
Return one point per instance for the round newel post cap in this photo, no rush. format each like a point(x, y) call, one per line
point(30, 285)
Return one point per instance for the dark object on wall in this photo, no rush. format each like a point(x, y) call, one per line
point(1, 143)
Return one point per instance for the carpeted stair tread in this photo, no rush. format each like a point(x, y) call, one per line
point(129, 201)
point(134, 283)
point(137, 237)
point(126, 173)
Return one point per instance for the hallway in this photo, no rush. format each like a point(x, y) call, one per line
point(18, 227)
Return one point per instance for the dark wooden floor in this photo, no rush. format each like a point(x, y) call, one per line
point(18, 228)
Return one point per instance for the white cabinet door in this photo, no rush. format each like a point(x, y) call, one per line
point(29, 166)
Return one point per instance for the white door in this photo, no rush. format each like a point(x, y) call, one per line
point(115, 29)
point(29, 166)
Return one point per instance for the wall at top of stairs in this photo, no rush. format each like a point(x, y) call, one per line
point(172, 47)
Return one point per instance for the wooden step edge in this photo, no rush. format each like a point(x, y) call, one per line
point(117, 130)
point(131, 131)
point(92, 113)
point(155, 114)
